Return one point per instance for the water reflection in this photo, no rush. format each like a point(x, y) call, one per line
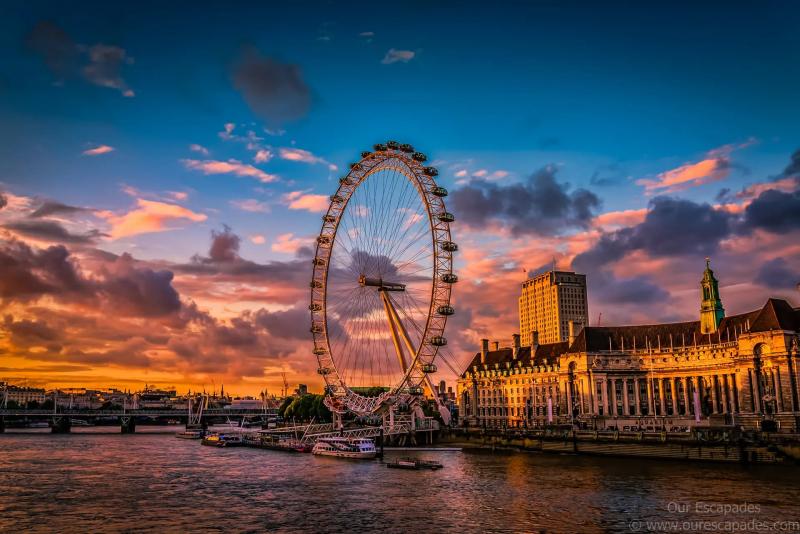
point(89, 481)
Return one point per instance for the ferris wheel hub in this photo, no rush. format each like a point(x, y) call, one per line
point(380, 284)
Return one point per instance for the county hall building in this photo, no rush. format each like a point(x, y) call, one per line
point(738, 370)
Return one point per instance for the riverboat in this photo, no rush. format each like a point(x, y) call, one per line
point(190, 434)
point(222, 440)
point(413, 463)
point(340, 447)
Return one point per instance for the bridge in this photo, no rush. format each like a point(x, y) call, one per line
point(61, 421)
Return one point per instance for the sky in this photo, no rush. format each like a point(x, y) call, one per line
point(164, 167)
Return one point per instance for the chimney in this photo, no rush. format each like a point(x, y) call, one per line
point(534, 339)
point(496, 345)
point(516, 346)
point(571, 331)
point(484, 349)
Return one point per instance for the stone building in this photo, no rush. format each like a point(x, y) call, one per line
point(548, 302)
point(738, 370)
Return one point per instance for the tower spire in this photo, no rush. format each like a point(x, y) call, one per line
point(711, 310)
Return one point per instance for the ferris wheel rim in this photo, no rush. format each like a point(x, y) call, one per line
point(442, 247)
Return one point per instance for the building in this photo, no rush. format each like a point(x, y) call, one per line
point(21, 395)
point(739, 371)
point(548, 303)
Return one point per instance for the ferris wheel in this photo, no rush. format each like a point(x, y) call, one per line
point(380, 291)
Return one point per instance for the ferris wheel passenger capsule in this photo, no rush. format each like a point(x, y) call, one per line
point(366, 154)
point(419, 156)
point(449, 246)
point(439, 191)
point(379, 147)
point(431, 171)
point(392, 145)
point(438, 341)
point(405, 147)
point(318, 261)
point(315, 307)
point(449, 278)
point(324, 371)
point(445, 310)
point(446, 216)
point(319, 351)
point(416, 390)
point(316, 329)
point(429, 368)
point(323, 240)
point(316, 284)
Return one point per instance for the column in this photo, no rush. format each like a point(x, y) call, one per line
point(606, 395)
point(723, 386)
point(625, 401)
point(674, 384)
point(636, 395)
point(662, 402)
point(614, 396)
point(735, 393)
point(714, 406)
point(651, 410)
point(778, 389)
point(686, 398)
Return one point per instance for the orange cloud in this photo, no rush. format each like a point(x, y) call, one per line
point(148, 217)
point(288, 243)
point(96, 151)
point(618, 219)
point(232, 166)
point(714, 167)
point(299, 200)
point(304, 156)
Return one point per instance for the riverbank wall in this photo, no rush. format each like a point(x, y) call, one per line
point(684, 446)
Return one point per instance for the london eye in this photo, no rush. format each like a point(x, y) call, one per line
point(381, 284)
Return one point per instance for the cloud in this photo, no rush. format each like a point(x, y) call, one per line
point(263, 155)
point(774, 211)
point(671, 226)
point(57, 49)
point(102, 64)
point(96, 151)
point(105, 64)
point(777, 274)
point(232, 166)
point(49, 208)
point(714, 167)
point(51, 231)
point(251, 205)
point(300, 200)
point(394, 56)
point(258, 239)
point(539, 205)
point(224, 245)
point(288, 243)
point(149, 216)
point(199, 148)
point(275, 91)
point(304, 156)
point(3, 201)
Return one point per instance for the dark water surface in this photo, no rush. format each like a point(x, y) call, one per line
point(105, 482)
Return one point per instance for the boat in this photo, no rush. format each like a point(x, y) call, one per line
point(222, 440)
point(414, 463)
point(276, 442)
point(356, 448)
point(190, 434)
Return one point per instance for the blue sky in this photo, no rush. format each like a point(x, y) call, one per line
point(607, 97)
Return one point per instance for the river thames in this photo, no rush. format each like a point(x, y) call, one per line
point(97, 480)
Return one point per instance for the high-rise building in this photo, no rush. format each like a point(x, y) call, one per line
point(548, 303)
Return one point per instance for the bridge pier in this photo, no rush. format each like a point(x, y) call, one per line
point(127, 424)
point(60, 424)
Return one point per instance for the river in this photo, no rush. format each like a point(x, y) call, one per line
point(97, 480)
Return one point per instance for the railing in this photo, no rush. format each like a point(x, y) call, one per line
point(140, 411)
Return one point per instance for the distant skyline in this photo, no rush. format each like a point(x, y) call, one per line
point(164, 168)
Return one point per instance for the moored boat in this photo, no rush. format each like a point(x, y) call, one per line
point(222, 440)
point(190, 434)
point(355, 448)
point(413, 463)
